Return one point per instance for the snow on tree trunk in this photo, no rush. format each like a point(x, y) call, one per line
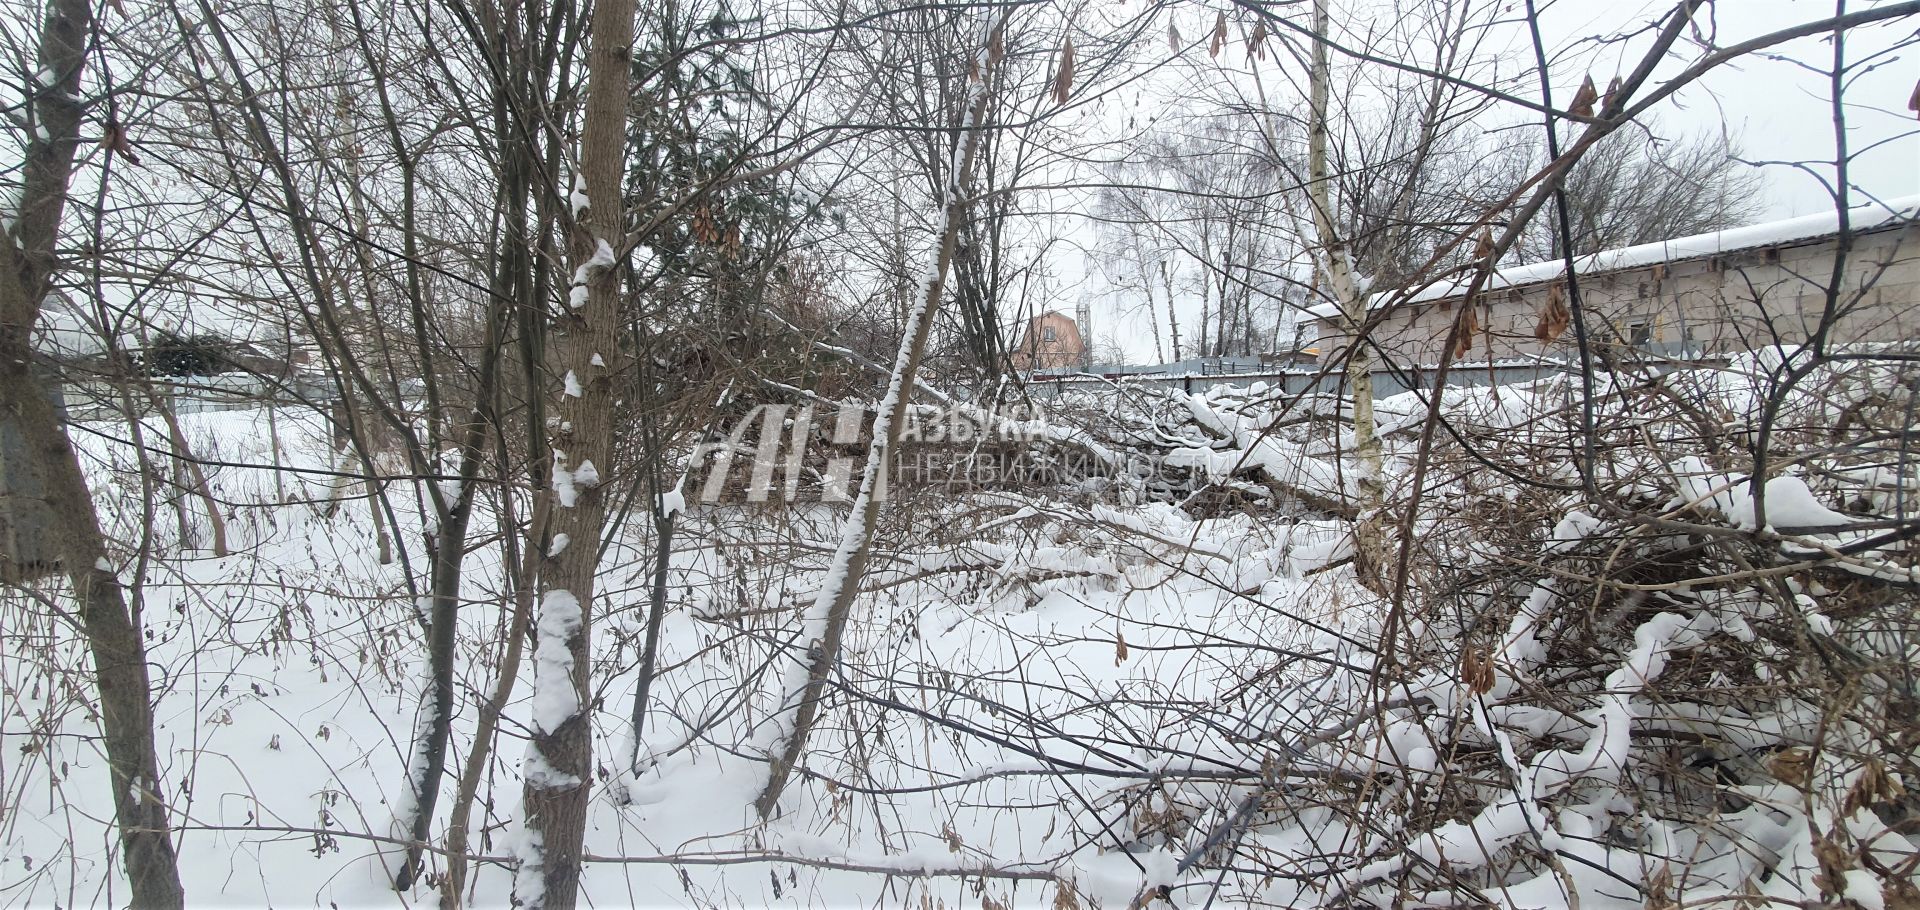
point(826, 620)
point(559, 763)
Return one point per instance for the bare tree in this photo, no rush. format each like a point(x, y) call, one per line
point(1334, 262)
point(28, 265)
point(583, 348)
point(1214, 197)
point(1636, 187)
point(832, 607)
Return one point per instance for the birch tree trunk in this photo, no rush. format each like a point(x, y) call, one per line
point(1336, 266)
point(1173, 318)
point(27, 265)
point(583, 347)
point(1153, 317)
point(826, 621)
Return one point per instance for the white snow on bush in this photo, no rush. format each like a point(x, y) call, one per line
point(1789, 502)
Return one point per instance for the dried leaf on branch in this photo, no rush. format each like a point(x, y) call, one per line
point(1063, 75)
point(1476, 671)
point(1554, 317)
point(1583, 99)
point(114, 139)
point(1483, 247)
point(1469, 326)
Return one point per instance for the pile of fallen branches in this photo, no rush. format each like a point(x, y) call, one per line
point(1661, 648)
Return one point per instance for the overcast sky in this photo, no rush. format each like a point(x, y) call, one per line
point(1781, 111)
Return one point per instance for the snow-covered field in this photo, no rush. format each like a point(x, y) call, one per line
point(1058, 698)
point(291, 672)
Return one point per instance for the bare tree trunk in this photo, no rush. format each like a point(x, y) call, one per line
point(1223, 298)
point(176, 498)
point(511, 284)
point(663, 525)
point(583, 346)
point(518, 277)
point(1336, 267)
point(1153, 317)
point(827, 619)
point(188, 475)
point(1206, 294)
point(113, 631)
point(113, 634)
point(458, 822)
point(1173, 317)
point(352, 444)
point(276, 449)
point(455, 512)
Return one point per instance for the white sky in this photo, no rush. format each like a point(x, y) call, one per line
point(1781, 111)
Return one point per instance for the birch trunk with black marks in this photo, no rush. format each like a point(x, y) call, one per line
point(1336, 266)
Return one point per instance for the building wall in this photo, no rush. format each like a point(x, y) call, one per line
point(1065, 350)
point(1716, 304)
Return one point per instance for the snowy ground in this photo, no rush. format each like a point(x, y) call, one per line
point(291, 669)
point(1053, 699)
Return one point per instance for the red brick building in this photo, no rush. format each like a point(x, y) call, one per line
point(1051, 342)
